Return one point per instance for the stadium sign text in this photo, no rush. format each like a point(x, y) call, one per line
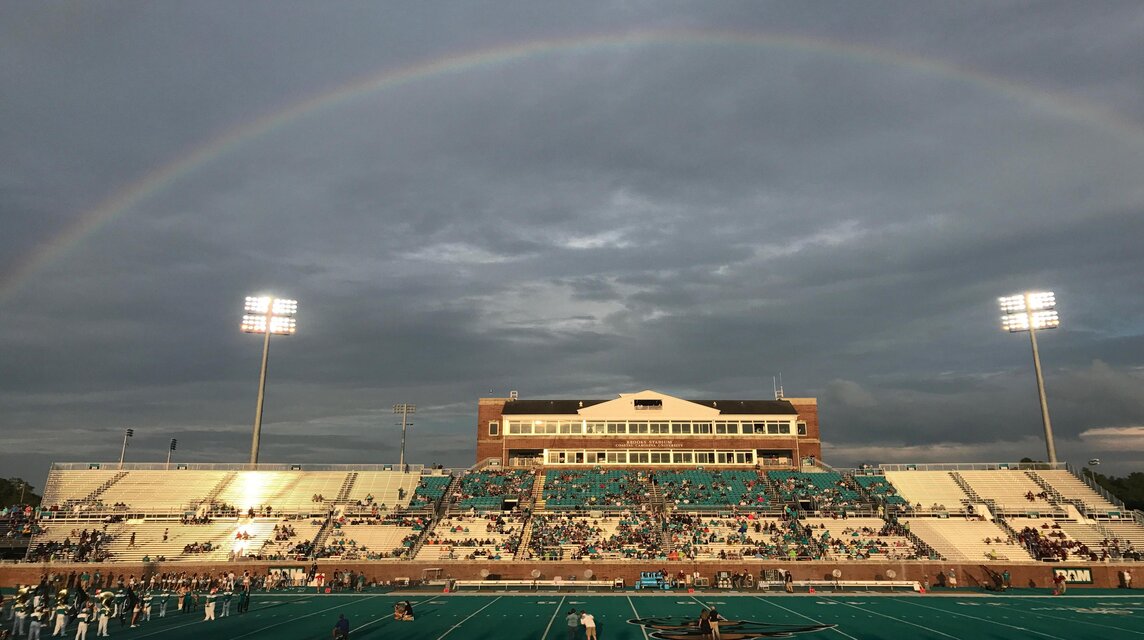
point(657, 444)
point(1074, 575)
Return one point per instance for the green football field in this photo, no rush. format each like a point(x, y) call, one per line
point(464, 616)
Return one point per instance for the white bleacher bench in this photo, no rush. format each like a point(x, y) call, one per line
point(536, 585)
point(778, 585)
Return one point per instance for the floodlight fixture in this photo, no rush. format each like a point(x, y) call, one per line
point(174, 444)
point(127, 433)
point(404, 408)
point(269, 316)
point(1034, 311)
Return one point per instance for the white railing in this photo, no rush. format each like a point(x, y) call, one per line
point(207, 466)
point(975, 466)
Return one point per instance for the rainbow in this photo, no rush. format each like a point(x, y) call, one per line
point(156, 181)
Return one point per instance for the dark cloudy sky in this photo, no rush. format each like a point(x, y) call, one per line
point(581, 199)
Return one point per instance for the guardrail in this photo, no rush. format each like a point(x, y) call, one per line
point(976, 466)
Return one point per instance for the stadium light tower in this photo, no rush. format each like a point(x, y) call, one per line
point(1032, 312)
point(404, 409)
point(267, 315)
point(174, 443)
point(127, 433)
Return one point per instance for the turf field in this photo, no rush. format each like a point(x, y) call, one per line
point(829, 616)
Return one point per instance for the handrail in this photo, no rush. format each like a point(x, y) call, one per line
point(1095, 486)
point(976, 466)
point(211, 466)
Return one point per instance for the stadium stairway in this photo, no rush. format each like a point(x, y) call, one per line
point(347, 487)
point(526, 536)
point(94, 495)
point(537, 493)
point(960, 480)
point(218, 488)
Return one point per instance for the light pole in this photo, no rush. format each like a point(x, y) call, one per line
point(1031, 312)
point(174, 443)
point(267, 315)
point(127, 433)
point(404, 409)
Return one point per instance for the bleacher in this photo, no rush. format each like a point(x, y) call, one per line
point(860, 539)
point(701, 490)
point(824, 491)
point(1074, 490)
point(593, 489)
point(488, 489)
point(740, 537)
point(1010, 490)
point(612, 536)
point(393, 489)
point(463, 537)
point(373, 539)
point(962, 540)
point(879, 488)
point(934, 491)
point(429, 491)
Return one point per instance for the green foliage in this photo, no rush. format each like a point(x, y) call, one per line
point(10, 492)
point(1130, 488)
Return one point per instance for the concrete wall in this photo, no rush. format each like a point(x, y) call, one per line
point(969, 575)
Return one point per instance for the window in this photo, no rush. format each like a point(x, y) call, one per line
point(784, 427)
point(772, 428)
point(637, 457)
point(700, 427)
point(680, 427)
point(743, 457)
point(659, 427)
point(704, 457)
point(725, 457)
point(648, 404)
point(555, 457)
point(802, 428)
point(661, 457)
point(637, 427)
point(494, 428)
point(595, 427)
point(759, 427)
point(617, 427)
point(570, 427)
point(726, 427)
point(617, 457)
point(680, 457)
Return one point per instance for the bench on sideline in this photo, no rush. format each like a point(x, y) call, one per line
point(536, 585)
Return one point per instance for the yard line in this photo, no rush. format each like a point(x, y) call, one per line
point(293, 620)
point(1095, 624)
point(966, 615)
point(642, 628)
point(834, 628)
point(893, 618)
point(559, 606)
point(419, 603)
point(190, 624)
point(467, 619)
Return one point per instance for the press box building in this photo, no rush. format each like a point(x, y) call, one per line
point(648, 428)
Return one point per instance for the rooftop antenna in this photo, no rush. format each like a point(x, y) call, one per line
point(778, 384)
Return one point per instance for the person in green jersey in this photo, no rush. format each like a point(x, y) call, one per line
point(106, 608)
point(227, 596)
point(209, 607)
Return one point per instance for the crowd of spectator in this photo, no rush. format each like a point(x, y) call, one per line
point(480, 490)
point(595, 488)
point(626, 535)
point(501, 536)
point(1050, 542)
point(90, 545)
point(742, 536)
point(698, 488)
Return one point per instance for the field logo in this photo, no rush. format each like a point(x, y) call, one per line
point(684, 628)
point(1073, 575)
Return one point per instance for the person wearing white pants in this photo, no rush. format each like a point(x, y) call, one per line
point(104, 618)
point(83, 618)
point(61, 618)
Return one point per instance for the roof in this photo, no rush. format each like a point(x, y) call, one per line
point(726, 407)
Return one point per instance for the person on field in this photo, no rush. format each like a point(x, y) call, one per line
point(341, 628)
point(589, 622)
point(573, 622)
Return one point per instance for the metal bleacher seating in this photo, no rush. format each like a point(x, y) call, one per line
point(1010, 490)
point(964, 540)
point(935, 491)
point(1073, 489)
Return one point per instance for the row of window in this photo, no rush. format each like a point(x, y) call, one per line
point(650, 457)
point(674, 427)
